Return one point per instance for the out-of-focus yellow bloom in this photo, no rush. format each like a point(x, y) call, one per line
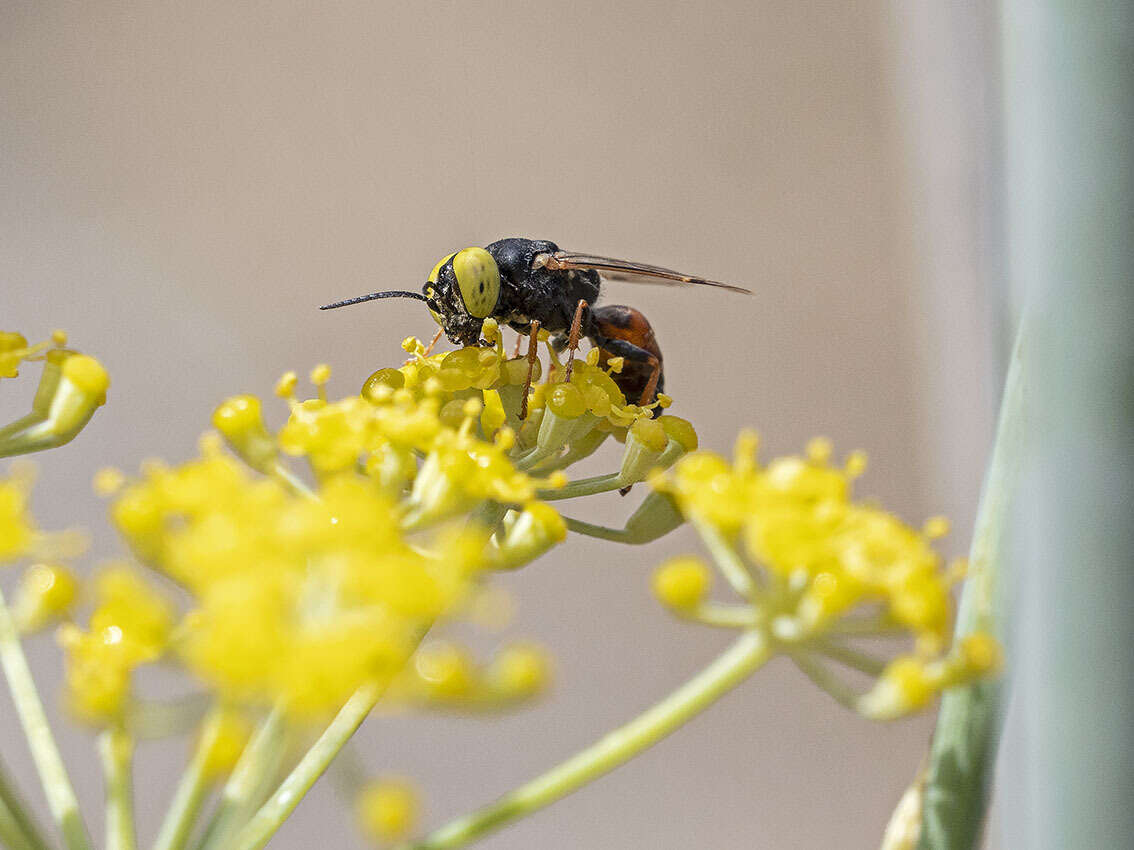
point(682, 583)
point(520, 671)
point(795, 527)
point(445, 675)
point(130, 625)
point(46, 594)
point(387, 809)
point(297, 599)
point(228, 737)
point(18, 531)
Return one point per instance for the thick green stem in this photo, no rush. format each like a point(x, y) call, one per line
point(17, 827)
point(737, 663)
point(282, 803)
point(52, 773)
point(17, 830)
point(191, 790)
point(116, 749)
point(968, 724)
point(242, 791)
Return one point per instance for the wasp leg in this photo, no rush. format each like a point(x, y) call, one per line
point(629, 351)
point(519, 342)
point(432, 342)
point(533, 353)
point(573, 338)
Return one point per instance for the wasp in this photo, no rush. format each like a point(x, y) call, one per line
point(529, 284)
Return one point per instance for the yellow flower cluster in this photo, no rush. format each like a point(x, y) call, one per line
point(297, 600)
point(807, 555)
point(130, 625)
point(300, 594)
point(71, 387)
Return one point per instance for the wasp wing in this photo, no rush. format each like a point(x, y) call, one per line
point(626, 270)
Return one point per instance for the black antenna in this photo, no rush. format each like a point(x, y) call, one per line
point(393, 293)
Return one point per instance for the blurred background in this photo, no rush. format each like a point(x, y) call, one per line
point(182, 184)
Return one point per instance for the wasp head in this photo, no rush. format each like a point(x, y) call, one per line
point(462, 291)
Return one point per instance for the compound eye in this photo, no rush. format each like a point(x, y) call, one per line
point(478, 279)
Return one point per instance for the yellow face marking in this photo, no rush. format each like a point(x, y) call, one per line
point(437, 268)
point(478, 279)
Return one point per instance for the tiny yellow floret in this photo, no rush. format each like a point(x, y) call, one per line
point(682, 583)
point(387, 809)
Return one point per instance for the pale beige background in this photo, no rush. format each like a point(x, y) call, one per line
point(181, 184)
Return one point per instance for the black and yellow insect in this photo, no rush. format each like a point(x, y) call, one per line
point(531, 283)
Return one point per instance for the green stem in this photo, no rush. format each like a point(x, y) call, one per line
point(191, 790)
point(242, 790)
point(52, 773)
point(964, 746)
point(852, 657)
point(17, 830)
point(116, 749)
point(17, 827)
point(583, 487)
point(727, 560)
point(742, 659)
point(842, 693)
point(11, 835)
point(721, 616)
point(282, 803)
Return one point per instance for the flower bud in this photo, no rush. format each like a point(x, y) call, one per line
point(13, 349)
point(532, 532)
point(445, 671)
point(520, 671)
point(240, 422)
point(71, 388)
point(387, 809)
point(904, 687)
point(492, 417)
point(46, 594)
point(380, 386)
point(682, 583)
point(645, 442)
